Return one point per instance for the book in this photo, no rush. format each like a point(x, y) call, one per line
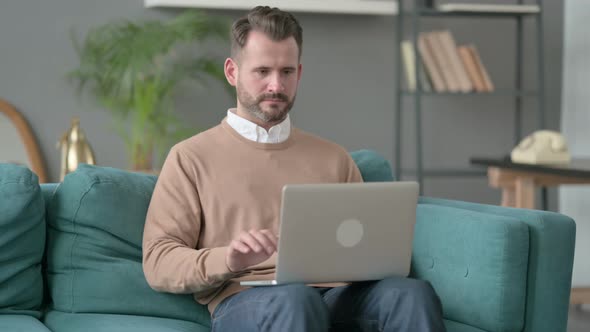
point(430, 66)
point(409, 65)
point(409, 56)
point(471, 68)
point(442, 61)
point(456, 65)
point(488, 8)
point(481, 68)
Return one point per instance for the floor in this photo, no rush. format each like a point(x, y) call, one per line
point(579, 319)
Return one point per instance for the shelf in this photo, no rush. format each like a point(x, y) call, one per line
point(358, 7)
point(437, 13)
point(497, 93)
point(447, 172)
point(516, 92)
point(481, 10)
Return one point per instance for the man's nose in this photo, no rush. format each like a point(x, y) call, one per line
point(275, 84)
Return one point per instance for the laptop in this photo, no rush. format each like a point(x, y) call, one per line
point(344, 232)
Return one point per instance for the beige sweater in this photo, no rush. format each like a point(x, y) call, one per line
point(215, 185)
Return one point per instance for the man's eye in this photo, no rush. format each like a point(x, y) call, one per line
point(262, 71)
point(288, 72)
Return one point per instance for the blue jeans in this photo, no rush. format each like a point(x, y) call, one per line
point(393, 304)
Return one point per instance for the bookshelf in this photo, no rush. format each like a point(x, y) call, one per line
point(419, 12)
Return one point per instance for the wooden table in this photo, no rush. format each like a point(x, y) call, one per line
point(519, 181)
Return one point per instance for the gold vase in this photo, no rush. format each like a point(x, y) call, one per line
point(75, 149)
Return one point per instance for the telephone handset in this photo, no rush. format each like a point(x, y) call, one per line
point(542, 147)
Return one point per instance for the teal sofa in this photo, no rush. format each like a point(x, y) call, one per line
point(70, 258)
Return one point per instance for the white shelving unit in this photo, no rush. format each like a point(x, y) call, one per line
point(354, 7)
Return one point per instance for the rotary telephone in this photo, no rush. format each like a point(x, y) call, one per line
point(542, 147)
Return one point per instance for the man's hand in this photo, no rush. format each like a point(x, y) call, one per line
point(250, 248)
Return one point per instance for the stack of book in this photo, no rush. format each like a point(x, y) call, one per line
point(446, 67)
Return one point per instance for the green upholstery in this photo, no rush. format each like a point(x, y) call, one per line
point(458, 327)
point(21, 323)
point(463, 254)
point(96, 219)
point(22, 241)
point(372, 166)
point(551, 242)
point(551, 254)
point(48, 190)
point(66, 322)
point(495, 269)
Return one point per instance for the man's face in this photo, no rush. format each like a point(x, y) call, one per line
point(266, 74)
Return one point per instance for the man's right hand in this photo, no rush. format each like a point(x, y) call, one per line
point(250, 248)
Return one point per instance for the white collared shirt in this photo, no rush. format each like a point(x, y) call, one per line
point(276, 134)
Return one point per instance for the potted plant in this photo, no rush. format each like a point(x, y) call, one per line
point(133, 68)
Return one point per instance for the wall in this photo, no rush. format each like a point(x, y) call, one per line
point(346, 94)
point(574, 200)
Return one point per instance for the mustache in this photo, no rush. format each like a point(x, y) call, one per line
point(278, 96)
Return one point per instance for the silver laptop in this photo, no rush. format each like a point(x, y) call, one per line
point(344, 232)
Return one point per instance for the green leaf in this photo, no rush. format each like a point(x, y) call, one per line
point(132, 69)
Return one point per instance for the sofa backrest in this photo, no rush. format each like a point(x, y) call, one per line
point(94, 259)
point(373, 167)
point(22, 241)
point(96, 218)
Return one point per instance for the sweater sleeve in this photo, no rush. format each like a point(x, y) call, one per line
point(172, 228)
point(353, 174)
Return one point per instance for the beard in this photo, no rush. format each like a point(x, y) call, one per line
point(273, 113)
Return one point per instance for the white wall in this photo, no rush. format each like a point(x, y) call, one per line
point(574, 201)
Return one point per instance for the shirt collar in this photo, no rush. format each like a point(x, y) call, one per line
point(248, 129)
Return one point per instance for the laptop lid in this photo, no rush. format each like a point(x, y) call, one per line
point(346, 231)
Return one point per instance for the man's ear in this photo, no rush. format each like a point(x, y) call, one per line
point(299, 72)
point(230, 68)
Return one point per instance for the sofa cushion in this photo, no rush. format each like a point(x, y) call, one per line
point(476, 262)
point(67, 322)
point(373, 167)
point(458, 327)
point(21, 323)
point(22, 241)
point(96, 220)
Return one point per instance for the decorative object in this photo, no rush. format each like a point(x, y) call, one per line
point(542, 147)
point(17, 141)
point(133, 68)
point(75, 149)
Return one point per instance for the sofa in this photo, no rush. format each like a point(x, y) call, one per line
point(70, 258)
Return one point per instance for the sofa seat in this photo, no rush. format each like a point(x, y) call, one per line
point(459, 327)
point(76, 322)
point(21, 323)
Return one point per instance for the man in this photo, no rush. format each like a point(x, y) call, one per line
point(214, 216)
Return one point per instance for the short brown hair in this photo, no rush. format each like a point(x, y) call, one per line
point(273, 22)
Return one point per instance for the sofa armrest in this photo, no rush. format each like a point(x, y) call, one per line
point(476, 262)
point(550, 256)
